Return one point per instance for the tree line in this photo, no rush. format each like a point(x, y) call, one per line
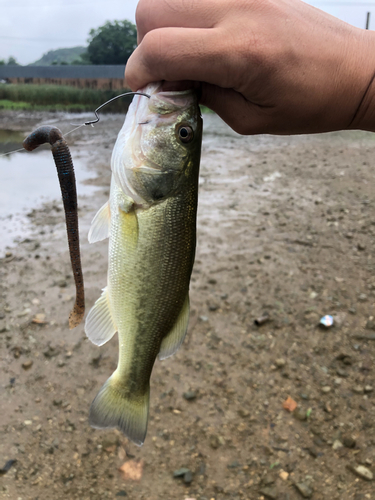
point(111, 43)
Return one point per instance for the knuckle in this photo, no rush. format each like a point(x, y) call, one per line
point(142, 15)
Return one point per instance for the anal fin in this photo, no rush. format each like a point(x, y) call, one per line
point(99, 325)
point(99, 229)
point(173, 340)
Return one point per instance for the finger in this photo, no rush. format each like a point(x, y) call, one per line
point(241, 115)
point(175, 54)
point(154, 14)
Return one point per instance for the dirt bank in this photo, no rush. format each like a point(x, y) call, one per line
point(286, 227)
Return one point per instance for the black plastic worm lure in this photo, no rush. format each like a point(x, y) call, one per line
point(65, 172)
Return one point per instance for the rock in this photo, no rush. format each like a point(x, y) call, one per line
point(204, 319)
point(280, 362)
point(368, 388)
point(348, 442)
point(304, 490)
point(51, 351)
point(121, 493)
point(300, 414)
point(326, 389)
point(362, 297)
point(243, 413)
point(337, 445)
point(234, 465)
point(214, 441)
point(358, 389)
point(4, 327)
point(270, 493)
point(188, 477)
point(362, 472)
point(61, 283)
point(283, 475)
point(342, 373)
point(370, 325)
point(27, 364)
point(212, 306)
point(180, 472)
point(190, 395)
point(109, 444)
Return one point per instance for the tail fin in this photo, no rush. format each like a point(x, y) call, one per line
point(113, 407)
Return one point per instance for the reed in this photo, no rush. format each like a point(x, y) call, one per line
point(58, 97)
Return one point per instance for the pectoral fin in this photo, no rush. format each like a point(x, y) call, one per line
point(173, 340)
point(99, 325)
point(99, 229)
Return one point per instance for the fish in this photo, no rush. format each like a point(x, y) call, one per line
point(150, 220)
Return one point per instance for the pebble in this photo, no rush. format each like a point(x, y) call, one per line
point(243, 413)
point(188, 477)
point(190, 395)
point(27, 364)
point(300, 414)
point(369, 388)
point(180, 472)
point(357, 389)
point(280, 362)
point(61, 283)
point(337, 445)
point(305, 491)
point(215, 441)
point(284, 475)
point(362, 297)
point(349, 442)
point(326, 389)
point(4, 327)
point(362, 472)
point(184, 473)
point(270, 493)
point(121, 493)
point(212, 306)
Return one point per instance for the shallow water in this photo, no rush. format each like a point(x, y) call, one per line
point(26, 181)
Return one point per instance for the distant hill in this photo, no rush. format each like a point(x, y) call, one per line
point(59, 56)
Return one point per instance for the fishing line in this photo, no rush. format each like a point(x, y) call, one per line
point(91, 122)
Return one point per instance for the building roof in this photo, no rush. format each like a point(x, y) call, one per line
point(64, 71)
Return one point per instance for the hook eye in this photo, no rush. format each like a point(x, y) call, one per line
point(111, 100)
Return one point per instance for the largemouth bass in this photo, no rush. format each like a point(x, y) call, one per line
point(151, 223)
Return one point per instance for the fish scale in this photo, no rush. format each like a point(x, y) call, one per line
point(151, 223)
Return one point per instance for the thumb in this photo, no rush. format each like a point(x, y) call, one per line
point(243, 116)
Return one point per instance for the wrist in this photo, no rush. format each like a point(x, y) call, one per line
point(364, 71)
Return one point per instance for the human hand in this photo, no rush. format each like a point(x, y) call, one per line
point(265, 66)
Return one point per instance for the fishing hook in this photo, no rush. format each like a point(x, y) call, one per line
point(111, 100)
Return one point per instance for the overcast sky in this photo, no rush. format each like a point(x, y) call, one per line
point(30, 28)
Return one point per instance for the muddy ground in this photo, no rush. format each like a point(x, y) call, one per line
point(286, 227)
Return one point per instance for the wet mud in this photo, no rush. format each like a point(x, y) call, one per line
point(286, 229)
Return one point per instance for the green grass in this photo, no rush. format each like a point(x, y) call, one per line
point(59, 98)
point(63, 98)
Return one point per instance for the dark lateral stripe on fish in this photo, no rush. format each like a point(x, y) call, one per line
point(65, 172)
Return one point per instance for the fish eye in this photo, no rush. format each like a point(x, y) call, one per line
point(185, 134)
